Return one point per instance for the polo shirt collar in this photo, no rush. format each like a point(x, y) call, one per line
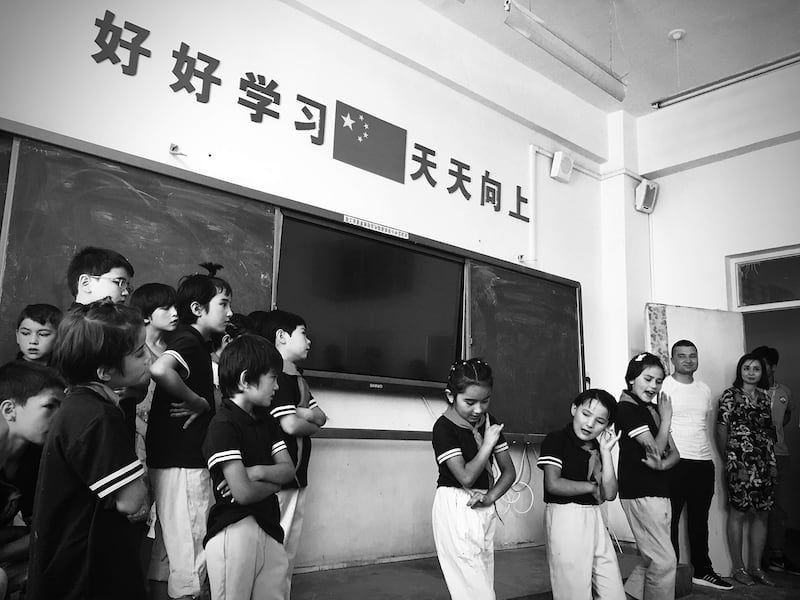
point(634, 398)
point(577, 442)
point(239, 413)
point(102, 390)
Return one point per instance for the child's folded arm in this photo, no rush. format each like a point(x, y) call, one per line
point(314, 415)
point(242, 488)
point(165, 372)
point(297, 426)
point(559, 486)
point(131, 499)
point(281, 472)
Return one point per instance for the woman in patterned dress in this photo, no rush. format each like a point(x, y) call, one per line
point(746, 437)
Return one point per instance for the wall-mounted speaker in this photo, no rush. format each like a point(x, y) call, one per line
point(646, 195)
point(561, 169)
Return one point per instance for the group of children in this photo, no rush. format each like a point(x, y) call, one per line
point(213, 404)
point(578, 477)
point(182, 444)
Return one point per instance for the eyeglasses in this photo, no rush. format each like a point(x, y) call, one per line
point(120, 282)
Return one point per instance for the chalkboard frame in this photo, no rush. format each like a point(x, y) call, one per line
point(524, 422)
point(22, 130)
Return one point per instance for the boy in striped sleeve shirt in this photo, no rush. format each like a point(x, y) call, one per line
point(90, 486)
point(578, 477)
point(249, 462)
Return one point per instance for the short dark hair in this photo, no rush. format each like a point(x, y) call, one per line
point(684, 343)
point(97, 335)
point(768, 354)
point(94, 261)
point(238, 324)
point(20, 380)
point(151, 296)
point(249, 354)
point(464, 373)
point(639, 363)
point(198, 288)
point(603, 397)
point(267, 324)
point(763, 382)
point(43, 314)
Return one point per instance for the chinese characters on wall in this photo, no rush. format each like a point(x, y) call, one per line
point(360, 139)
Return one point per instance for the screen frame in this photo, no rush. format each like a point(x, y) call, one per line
point(365, 382)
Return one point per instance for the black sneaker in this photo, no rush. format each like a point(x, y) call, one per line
point(781, 563)
point(712, 580)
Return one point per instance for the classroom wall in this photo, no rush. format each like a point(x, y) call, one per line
point(726, 165)
point(743, 204)
point(370, 499)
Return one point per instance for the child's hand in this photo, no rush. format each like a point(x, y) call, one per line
point(476, 500)
point(492, 434)
point(224, 490)
point(192, 410)
point(653, 461)
point(597, 492)
point(141, 514)
point(664, 407)
point(608, 440)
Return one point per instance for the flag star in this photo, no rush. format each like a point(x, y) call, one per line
point(366, 125)
point(348, 122)
point(360, 117)
point(360, 139)
point(366, 135)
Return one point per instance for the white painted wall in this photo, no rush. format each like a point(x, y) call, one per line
point(369, 500)
point(742, 204)
point(745, 116)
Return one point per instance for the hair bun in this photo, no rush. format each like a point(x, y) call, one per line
point(211, 267)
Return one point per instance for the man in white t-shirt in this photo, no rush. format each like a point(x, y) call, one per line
point(692, 479)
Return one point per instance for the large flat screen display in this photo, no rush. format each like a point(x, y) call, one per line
point(377, 310)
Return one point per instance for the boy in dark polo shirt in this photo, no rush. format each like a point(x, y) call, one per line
point(90, 485)
point(299, 417)
point(248, 461)
point(578, 477)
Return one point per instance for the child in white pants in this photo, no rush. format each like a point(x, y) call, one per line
point(578, 477)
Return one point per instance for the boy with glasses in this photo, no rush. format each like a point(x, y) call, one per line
point(97, 273)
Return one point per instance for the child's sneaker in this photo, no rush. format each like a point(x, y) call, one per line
point(781, 563)
point(712, 580)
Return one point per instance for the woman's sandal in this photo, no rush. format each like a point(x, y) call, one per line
point(743, 577)
point(760, 577)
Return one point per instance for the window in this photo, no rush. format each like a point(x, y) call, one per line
point(764, 280)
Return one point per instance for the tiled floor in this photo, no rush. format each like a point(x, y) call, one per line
point(520, 574)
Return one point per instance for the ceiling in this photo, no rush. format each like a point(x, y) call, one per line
point(723, 37)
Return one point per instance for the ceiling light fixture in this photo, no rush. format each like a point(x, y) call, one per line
point(786, 61)
point(532, 27)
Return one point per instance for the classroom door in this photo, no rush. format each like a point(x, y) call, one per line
point(720, 340)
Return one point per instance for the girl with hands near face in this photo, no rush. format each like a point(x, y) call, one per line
point(467, 442)
point(646, 451)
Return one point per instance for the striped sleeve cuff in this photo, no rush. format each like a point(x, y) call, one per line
point(284, 410)
point(638, 431)
point(182, 362)
point(278, 446)
point(118, 479)
point(500, 448)
point(225, 456)
point(445, 456)
point(548, 461)
point(313, 404)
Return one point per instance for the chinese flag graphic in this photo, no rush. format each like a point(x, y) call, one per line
point(369, 143)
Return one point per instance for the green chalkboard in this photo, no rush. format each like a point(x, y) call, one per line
point(527, 326)
point(64, 200)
